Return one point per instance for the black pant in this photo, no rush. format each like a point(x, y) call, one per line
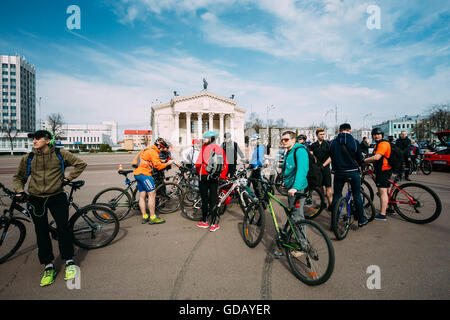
point(208, 192)
point(59, 208)
point(231, 170)
point(256, 174)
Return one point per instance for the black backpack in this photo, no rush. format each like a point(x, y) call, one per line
point(314, 175)
point(396, 158)
point(214, 166)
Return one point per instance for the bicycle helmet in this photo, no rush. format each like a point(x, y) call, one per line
point(255, 137)
point(377, 131)
point(161, 143)
point(302, 137)
point(43, 134)
point(210, 134)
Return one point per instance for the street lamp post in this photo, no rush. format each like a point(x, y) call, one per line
point(267, 121)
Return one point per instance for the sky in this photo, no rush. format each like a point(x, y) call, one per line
point(304, 57)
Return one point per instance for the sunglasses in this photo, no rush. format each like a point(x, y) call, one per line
point(285, 140)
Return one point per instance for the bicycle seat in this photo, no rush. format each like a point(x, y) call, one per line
point(125, 172)
point(76, 184)
point(348, 180)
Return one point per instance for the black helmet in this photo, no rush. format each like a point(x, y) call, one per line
point(377, 131)
point(302, 137)
point(161, 142)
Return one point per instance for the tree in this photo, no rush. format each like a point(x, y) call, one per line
point(56, 122)
point(11, 132)
point(254, 122)
point(438, 120)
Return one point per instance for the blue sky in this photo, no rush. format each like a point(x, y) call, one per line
point(303, 57)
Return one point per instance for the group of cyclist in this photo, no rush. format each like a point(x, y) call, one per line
point(212, 162)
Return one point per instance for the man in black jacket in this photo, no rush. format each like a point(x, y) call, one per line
point(365, 146)
point(404, 144)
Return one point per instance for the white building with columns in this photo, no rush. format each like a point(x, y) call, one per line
point(188, 117)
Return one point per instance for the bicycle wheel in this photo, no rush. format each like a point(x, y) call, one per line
point(314, 204)
point(12, 233)
point(341, 218)
point(416, 203)
point(91, 232)
point(309, 252)
point(365, 185)
point(426, 167)
point(253, 225)
point(194, 212)
point(368, 207)
point(169, 197)
point(279, 185)
point(119, 200)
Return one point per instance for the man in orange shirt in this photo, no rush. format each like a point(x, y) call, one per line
point(149, 159)
point(383, 170)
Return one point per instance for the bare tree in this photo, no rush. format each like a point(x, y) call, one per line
point(56, 122)
point(438, 120)
point(11, 132)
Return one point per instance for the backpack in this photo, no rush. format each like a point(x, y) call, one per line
point(214, 166)
point(396, 158)
point(31, 156)
point(314, 175)
point(137, 160)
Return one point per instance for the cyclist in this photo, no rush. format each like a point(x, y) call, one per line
point(190, 155)
point(256, 162)
point(209, 184)
point(45, 165)
point(295, 170)
point(383, 170)
point(346, 157)
point(365, 147)
point(149, 158)
point(321, 150)
point(232, 150)
point(404, 144)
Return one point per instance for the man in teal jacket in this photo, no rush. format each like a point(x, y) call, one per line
point(295, 170)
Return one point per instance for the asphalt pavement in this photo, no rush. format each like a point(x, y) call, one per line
point(178, 260)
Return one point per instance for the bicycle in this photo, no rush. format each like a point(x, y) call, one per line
point(169, 197)
point(420, 163)
point(344, 212)
point(92, 226)
point(187, 179)
point(306, 244)
point(410, 200)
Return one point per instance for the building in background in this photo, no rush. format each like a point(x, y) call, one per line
point(136, 139)
point(396, 126)
point(91, 135)
point(359, 134)
point(18, 102)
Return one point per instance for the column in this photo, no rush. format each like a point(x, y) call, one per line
point(200, 123)
point(211, 121)
point(232, 126)
point(188, 129)
point(221, 126)
point(177, 128)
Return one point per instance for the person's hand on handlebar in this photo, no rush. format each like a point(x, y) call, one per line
point(292, 192)
point(170, 162)
point(21, 196)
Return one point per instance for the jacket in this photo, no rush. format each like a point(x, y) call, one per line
point(296, 177)
point(149, 160)
point(257, 157)
point(203, 158)
point(231, 151)
point(46, 177)
point(341, 161)
point(404, 145)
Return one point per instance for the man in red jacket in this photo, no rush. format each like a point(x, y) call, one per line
point(208, 184)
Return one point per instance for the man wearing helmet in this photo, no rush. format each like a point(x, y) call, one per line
point(232, 150)
point(45, 167)
point(208, 184)
point(383, 170)
point(149, 159)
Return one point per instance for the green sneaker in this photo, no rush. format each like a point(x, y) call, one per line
point(157, 220)
point(49, 277)
point(144, 221)
point(71, 271)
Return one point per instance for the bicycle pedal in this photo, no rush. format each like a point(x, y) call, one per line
point(278, 254)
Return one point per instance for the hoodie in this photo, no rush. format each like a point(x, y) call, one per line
point(341, 161)
point(46, 178)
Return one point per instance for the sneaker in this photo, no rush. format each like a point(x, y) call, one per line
point(156, 220)
point(49, 277)
point(278, 254)
point(203, 225)
point(144, 221)
point(71, 271)
point(297, 254)
point(390, 211)
point(214, 227)
point(363, 223)
point(380, 217)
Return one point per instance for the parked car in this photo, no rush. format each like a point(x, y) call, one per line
point(441, 157)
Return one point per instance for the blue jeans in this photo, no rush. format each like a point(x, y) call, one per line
point(355, 183)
